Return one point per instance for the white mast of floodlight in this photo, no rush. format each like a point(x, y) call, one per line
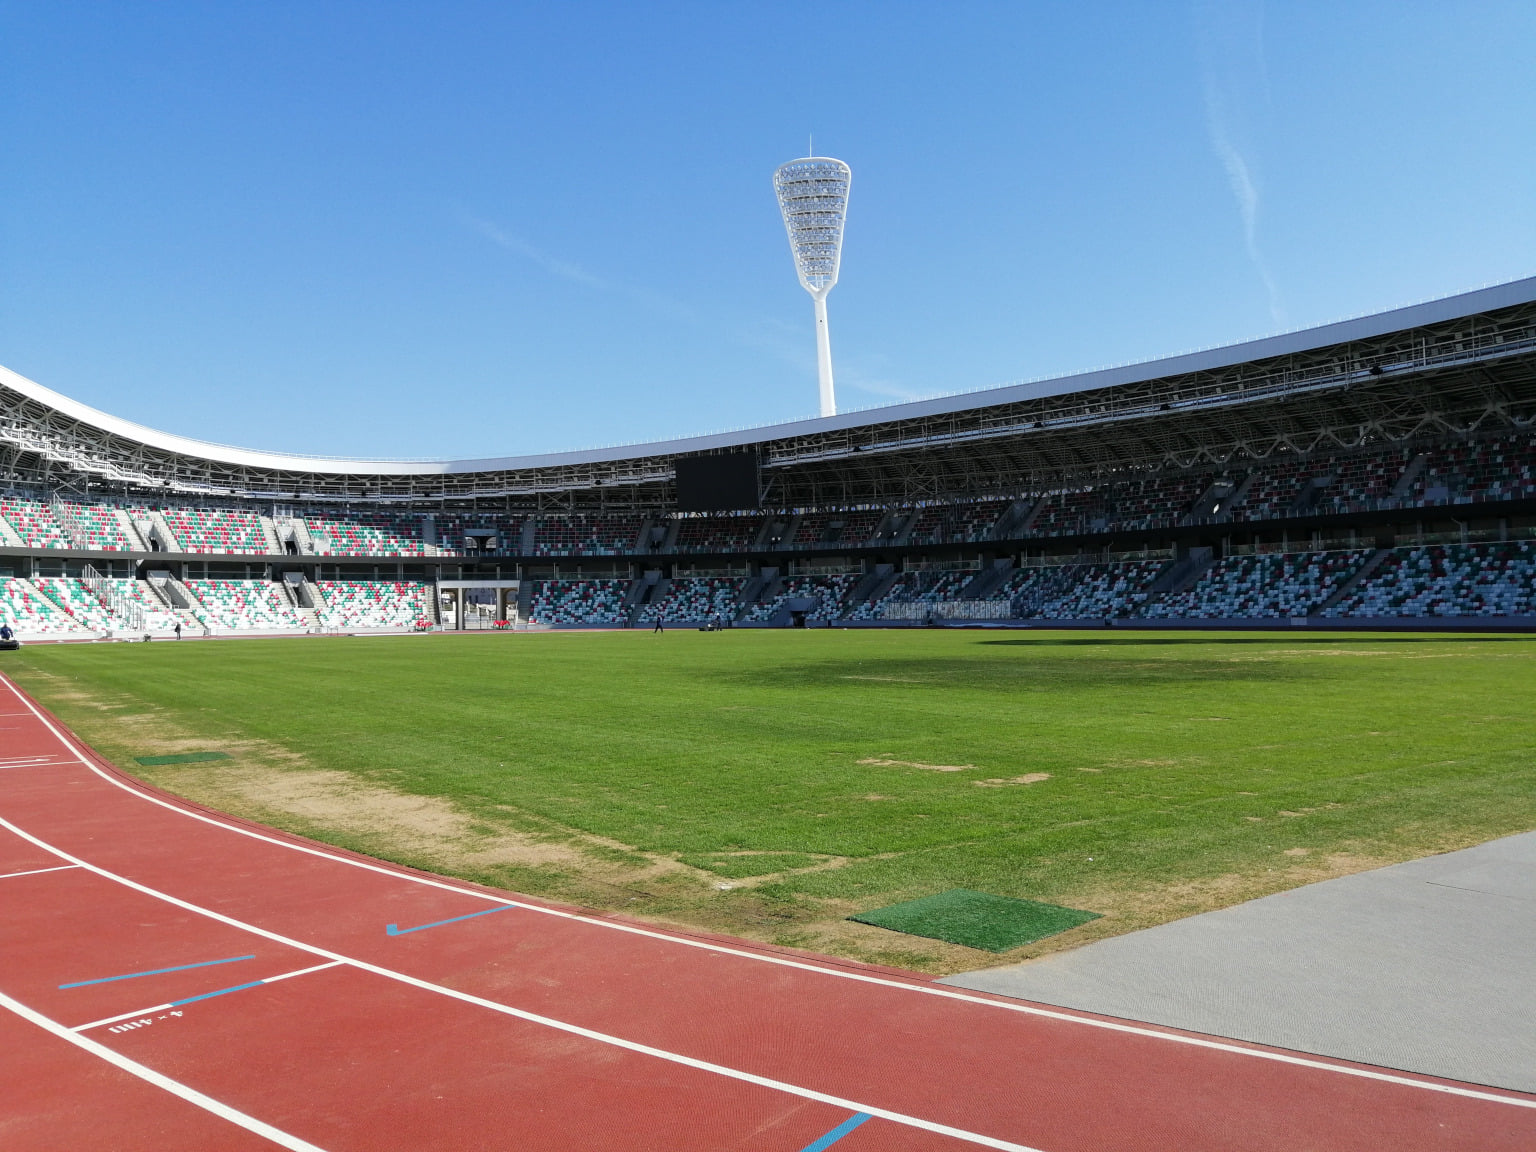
point(813, 195)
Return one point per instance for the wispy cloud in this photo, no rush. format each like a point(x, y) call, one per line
point(564, 269)
point(574, 273)
point(1233, 77)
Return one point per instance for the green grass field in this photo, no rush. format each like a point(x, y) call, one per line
point(772, 783)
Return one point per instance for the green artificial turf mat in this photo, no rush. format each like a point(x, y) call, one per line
point(977, 919)
point(183, 758)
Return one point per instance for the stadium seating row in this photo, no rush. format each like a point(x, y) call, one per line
point(1459, 580)
point(1498, 469)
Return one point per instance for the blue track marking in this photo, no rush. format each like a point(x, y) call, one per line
point(155, 972)
point(837, 1133)
point(211, 995)
point(396, 930)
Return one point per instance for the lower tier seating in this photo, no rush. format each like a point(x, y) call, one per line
point(579, 602)
point(1453, 580)
point(29, 612)
point(243, 605)
point(374, 603)
point(1262, 586)
point(78, 602)
point(696, 598)
point(827, 591)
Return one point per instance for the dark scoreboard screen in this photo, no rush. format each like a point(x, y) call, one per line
point(724, 483)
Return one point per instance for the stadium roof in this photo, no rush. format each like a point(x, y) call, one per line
point(36, 420)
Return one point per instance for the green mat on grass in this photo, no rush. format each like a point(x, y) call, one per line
point(184, 758)
point(977, 919)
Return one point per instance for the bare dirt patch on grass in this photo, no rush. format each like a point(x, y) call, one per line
point(271, 784)
point(879, 763)
point(1027, 778)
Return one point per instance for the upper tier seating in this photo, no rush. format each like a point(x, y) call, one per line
point(1456, 580)
point(955, 523)
point(717, 534)
point(96, 526)
point(579, 602)
point(694, 598)
point(216, 530)
point(243, 604)
point(374, 603)
point(29, 612)
point(363, 536)
point(830, 529)
point(34, 522)
point(577, 534)
point(454, 533)
point(1261, 586)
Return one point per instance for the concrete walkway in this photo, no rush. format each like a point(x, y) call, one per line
point(1428, 966)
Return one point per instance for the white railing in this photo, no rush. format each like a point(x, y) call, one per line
point(949, 610)
point(126, 609)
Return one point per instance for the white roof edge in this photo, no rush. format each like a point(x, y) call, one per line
point(1358, 328)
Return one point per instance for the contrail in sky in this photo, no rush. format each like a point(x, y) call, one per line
point(1231, 41)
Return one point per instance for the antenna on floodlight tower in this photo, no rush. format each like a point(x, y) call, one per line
point(813, 195)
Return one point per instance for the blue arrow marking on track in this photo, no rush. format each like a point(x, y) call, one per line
point(396, 930)
point(155, 971)
point(837, 1133)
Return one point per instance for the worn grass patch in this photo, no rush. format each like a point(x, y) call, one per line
point(773, 783)
point(977, 919)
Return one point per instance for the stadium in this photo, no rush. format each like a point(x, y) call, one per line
point(1378, 470)
point(1126, 760)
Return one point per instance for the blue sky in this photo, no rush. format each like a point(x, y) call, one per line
point(458, 229)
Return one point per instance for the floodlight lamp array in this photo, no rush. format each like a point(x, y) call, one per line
point(813, 196)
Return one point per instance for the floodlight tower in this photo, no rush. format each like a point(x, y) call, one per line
point(813, 195)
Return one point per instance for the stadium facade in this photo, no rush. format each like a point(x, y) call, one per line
point(1379, 468)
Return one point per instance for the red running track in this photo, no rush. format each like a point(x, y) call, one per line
point(178, 979)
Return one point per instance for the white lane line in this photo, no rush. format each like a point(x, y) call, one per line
point(162, 1081)
point(534, 1018)
point(120, 1017)
point(40, 871)
point(781, 961)
point(302, 971)
point(172, 1003)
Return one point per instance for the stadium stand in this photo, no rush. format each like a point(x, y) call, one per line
point(77, 602)
point(1285, 470)
point(696, 598)
point(33, 522)
point(914, 588)
point(579, 602)
point(29, 612)
point(1101, 591)
point(823, 529)
point(955, 523)
point(371, 536)
point(216, 530)
point(826, 591)
point(369, 604)
point(586, 535)
point(697, 534)
point(1261, 586)
point(243, 605)
point(1454, 580)
point(96, 527)
point(157, 618)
